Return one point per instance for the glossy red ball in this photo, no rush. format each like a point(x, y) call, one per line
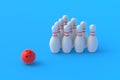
point(28, 56)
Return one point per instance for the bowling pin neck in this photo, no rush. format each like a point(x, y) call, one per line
point(61, 27)
point(66, 34)
point(54, 34)
point(74, 26)
point(84, 30)
point(65, 23)
point(71, 30)
point(79, 33)
point(59, 30)
point(92, 34)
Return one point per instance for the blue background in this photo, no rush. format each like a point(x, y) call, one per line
point(26, 24)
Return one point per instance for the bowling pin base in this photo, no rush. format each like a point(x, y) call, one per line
point(66, 51)
point(91, 51)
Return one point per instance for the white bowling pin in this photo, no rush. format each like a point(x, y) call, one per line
point(83, 24)
point(54, 41)
point(92, 40)
point(79, 40)
point(65, 18)
point(73, 20)
point(66, 41)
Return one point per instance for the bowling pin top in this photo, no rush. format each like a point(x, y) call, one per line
point(70, 25)
point(83, 24)
point(92, 28)
point(79, 28)
point(73, 20)
point(65, 18)
point(54, 29)
point(66, 28)
point(61, 22)
point(56, 23)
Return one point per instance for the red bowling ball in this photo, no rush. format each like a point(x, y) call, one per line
point(28, 56)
